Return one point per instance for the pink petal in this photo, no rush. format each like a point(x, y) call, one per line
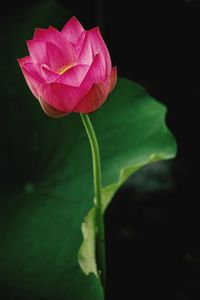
point(51, 111)
point(94, 99)
point(98, 46)
point(62, 97)
point(33, 78)
point(52, 35)
point(74, 76)
point(113, 79)
point(24, 60)
point(34, 71)
point(37, 50)
point(72, 30)
point(86, 55)
point(49, 75)
point(97, 69)
point(46, 35)
point(56, 58)
point(78, 46)
point(96, 72)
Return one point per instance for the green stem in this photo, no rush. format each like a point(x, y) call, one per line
point(97, 193)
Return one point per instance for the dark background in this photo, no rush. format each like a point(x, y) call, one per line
point(152, 226)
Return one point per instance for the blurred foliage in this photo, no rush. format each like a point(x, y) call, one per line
point(45, 166)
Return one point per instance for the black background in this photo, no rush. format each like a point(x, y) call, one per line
point(153, 235)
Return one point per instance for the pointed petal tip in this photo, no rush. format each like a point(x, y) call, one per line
point(19, 61)
point(23, 60)
point(95, 29)
point(74, 19)
point(72, 29)
point(28, 41)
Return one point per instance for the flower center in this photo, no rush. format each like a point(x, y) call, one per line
point(64, 69)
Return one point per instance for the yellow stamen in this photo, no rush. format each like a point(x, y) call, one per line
point(64, 69)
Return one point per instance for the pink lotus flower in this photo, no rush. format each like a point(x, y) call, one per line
point(68, 71)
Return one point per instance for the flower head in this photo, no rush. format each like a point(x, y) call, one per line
point(68, 70)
